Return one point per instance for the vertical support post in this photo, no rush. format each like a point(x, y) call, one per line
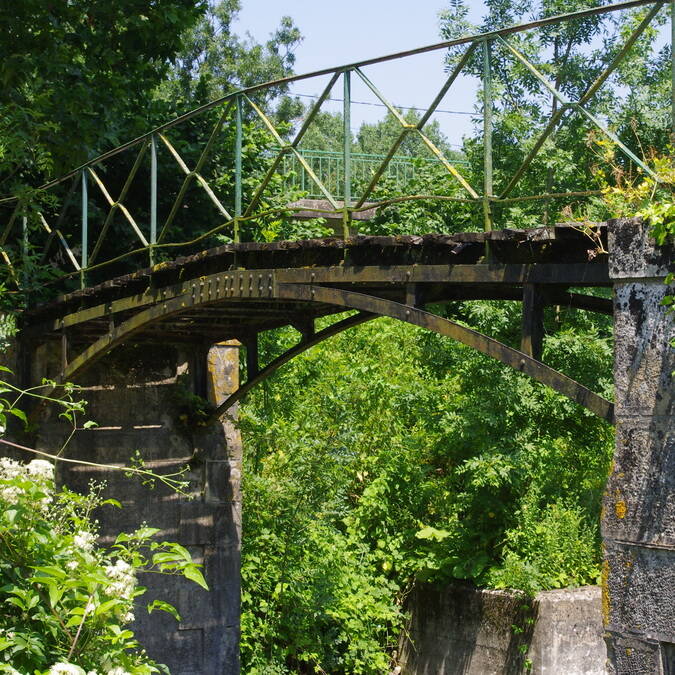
point(84, 261)
point(153, 197)
point(487, 136)
point(413, 295)
point(252, 364)
point(64, 348)
point(347, 152)
point(237, 168)
point(532, 338)
point(637, 513)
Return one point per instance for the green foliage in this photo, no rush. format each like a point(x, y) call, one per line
point(634, 102)
point(421, 459)
point(67, 604)
point(77, 77)
point(213, 61)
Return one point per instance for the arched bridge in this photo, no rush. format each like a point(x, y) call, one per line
point(239, 290)
point(176, 237)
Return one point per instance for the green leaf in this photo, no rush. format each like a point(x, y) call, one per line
point(18, 413)
point(107, 606)
point(432, 534)
point(195, 575)
point(164, 607)
point(55, 594)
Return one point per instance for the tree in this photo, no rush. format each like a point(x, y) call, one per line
point(78, 78)
point(571, 55)
point(213, 61)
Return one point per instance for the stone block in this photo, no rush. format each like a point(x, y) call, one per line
point(633, 253)
point(568, 634)
point(210, 524)
point(461, 630)
point(631, 656)
point(132, 396)
point(639, 501)
point(640, 591)
point(219, 605)
point(222, 481)
point(644, 360)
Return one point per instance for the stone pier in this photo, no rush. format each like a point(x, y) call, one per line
point(638, 521)
point(148, 400)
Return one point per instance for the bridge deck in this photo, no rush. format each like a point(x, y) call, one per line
point(238, 290)
point(443, 267)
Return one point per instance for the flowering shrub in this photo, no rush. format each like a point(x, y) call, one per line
point(66, 604)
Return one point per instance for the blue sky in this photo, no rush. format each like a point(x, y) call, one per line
point(352, 30)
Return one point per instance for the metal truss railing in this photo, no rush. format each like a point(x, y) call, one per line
point(84, 244)
point(329, 166)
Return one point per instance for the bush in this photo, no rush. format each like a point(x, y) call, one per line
point(67, 605)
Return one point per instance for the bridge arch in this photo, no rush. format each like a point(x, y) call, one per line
point(276, 297)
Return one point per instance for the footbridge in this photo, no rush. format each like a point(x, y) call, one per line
point(164, 258)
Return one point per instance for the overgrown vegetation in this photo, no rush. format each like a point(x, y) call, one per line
point(388, 455)
point(67, 603)
point(421, 459)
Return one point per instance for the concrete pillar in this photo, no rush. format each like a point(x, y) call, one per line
point(638, 521)
point(143, 399)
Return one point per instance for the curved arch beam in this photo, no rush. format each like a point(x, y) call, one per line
point(512, 357)
point(124, 331)
point(274, 365)
point(369, 304)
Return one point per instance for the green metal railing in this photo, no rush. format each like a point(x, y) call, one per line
point(339, 189)
point(329, 166)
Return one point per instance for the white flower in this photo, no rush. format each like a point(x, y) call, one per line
point(8, 670)
point(10, 493)
point(72, 565)
point(128, 617)
point(118, 670)
point(84, 540)
point(63, 668)
point(41, 468)
point(10, 468)
point(123, 580)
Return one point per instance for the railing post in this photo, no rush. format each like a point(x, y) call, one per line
point(347, 153)
point(84, 260)
point(237, 168)
point(153, 197)
point(487, 136)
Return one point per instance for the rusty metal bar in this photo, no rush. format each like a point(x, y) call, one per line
point(285, 146)
point(10, 224)
point(153, 197)
point(84, 258)
point(588, 94)
point(532, 338)
point(487, 136)
point(115, 205)
point(57, 233)
point(448, 83)
point(347, 152)
point(565, 102)
point(488, 346)
point(306, 343)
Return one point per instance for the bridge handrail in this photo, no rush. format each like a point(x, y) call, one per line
point(400, 169)
point(234, 102)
